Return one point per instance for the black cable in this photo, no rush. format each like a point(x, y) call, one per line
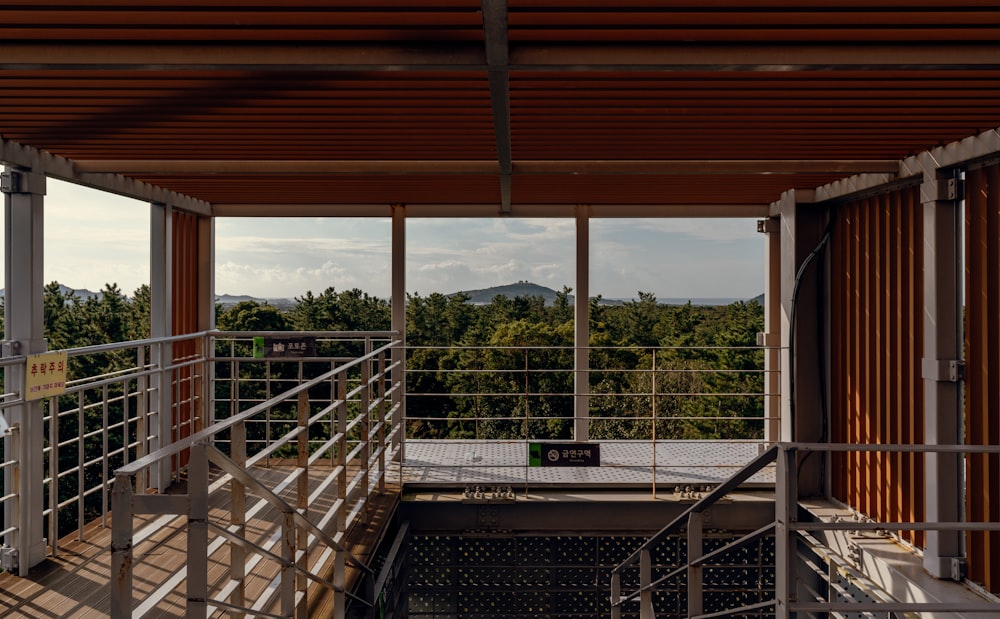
point(799, 275)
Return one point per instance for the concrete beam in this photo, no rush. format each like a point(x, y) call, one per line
point(598, 211)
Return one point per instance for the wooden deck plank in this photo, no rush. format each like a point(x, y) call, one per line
point(77, 582)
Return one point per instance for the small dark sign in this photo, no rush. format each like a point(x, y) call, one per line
point(564, 454)
point(284, 347)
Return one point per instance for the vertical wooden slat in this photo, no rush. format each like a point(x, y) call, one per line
point(857, 395)
point(982, 272)
point(184, 313)
point(871, 355)
point(876, 312)
point(882, 411)
point(892, 352)
point(990, 413)
point(977, 298)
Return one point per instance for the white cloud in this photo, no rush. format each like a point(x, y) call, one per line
point(94, 238)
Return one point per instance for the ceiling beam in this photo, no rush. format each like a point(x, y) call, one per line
point(497, 49)
point(167, 167)
point(61, 168)
point(520, 57)
point(601, 211)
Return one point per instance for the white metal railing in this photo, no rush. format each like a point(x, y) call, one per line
point(132, 398)
point(645, 406)
point(790, 594)
point(344, 439)
point(528, 392)
point(103, 420)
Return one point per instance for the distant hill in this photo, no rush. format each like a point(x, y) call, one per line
point(81, 293)
point(229, 300)
point(484, 296)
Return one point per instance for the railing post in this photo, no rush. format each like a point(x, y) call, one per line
point(366, 445)
point(339, 582)
point(785, 507)
point(342, 450)
point(399, 402)
point(645, 583)
point(121, 548)
point(287, 584)
point(141, 417)
point(695, 535)
point(197, 535)
point(302, 496)
point(380, 395)
point(163, 385)
point(238, 518)
point(653, 429)
point(616, 595)
point(54, 476)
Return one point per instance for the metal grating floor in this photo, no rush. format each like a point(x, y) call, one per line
point(623, 463)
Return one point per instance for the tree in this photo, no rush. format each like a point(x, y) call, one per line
point(252, 316)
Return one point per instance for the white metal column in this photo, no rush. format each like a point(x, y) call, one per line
point(160, 314)
point(941, 368)
point(399, 316)
point(24, 327)
point(771, 337)
point(581, 321)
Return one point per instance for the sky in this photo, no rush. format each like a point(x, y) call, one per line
point(94, 238)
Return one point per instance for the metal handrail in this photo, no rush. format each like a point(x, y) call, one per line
point(221, 426)
point(785, 526)
point(749, 470)
point(370, 393)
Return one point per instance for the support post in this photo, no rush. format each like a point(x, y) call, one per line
point(302, 506)
point(770, 339)
point(801, 230)
point(121, 548)
point(645, 582)
point(206, 320)
point(785, 511)
point(616, 595)
point(197, 538)
point(238, 519)
point(399, 325)
point(943, 413)
point(160, 320)
point(581, 331)
point(695, 534)
point(24, 318)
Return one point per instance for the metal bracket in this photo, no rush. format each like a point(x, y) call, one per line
point(487, 495)
point(767, 226)
point(944, 370)
point(943, 190)
point(20, 182)
point(9, 559)
point(958, 568)
point(768, 340)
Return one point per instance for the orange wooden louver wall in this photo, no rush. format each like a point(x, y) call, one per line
point(876, 350)
point(982, 352)
point(184, 320)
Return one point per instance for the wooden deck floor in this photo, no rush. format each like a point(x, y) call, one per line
point(76, 583)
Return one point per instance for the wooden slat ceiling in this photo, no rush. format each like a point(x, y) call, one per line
point(512, 104)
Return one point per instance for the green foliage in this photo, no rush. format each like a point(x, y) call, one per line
point(519, 383)
point(502, 370)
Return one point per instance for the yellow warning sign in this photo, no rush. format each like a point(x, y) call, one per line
point(45, 375)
